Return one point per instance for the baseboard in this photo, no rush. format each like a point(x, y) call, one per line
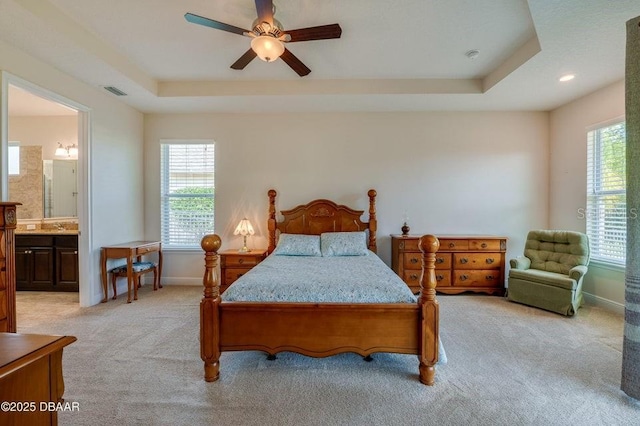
point(181, 281)
point(603, 303)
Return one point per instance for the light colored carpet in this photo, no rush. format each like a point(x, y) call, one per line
point(508, 364)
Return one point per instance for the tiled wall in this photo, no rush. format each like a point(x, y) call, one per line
point(27, 186)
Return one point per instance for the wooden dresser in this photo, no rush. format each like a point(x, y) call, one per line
point(463, 263)
point(8, 223)
point(31, 381)
point(234, 264)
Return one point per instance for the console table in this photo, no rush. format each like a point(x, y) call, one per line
point(31, 377)
point(130, 251)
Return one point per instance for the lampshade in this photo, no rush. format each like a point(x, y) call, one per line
point(73, 151)
point(244, 228)
point(267, 48)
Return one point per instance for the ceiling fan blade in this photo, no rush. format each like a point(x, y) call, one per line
point(265, 11)
point(244, 60)
point(321, 32)
point(201, 20)
point(295, 63)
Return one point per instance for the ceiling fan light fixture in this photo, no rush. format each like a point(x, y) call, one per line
point(267, 48)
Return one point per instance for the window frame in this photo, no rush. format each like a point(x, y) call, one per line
point(599, 229)
point(169, 243)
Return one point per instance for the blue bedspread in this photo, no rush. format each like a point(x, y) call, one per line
point(348, 279)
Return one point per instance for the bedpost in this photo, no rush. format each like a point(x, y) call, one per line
point(271, 223)
point(209, 309)
point(429, 311)
point(373, 222)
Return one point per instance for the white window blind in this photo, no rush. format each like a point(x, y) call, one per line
point(606, 212)
point(187, 192)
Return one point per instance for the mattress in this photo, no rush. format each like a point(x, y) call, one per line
point(337, 279)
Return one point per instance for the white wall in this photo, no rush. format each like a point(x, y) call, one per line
point(115, 171)
point(568, 171)
point(45, 131)
point(478, 173)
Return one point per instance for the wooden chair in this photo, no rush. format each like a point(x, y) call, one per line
point(139, 269)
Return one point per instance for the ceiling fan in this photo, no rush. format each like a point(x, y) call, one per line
point(268, 37)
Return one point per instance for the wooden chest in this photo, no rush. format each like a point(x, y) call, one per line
point(463, 263)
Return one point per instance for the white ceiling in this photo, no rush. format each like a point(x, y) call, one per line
point(396, 55)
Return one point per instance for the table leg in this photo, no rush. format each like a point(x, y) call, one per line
point(129, 277)
point(103, 264)
point(159, 267)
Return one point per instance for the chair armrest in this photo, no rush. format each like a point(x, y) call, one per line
point(520, 262)
point(577, 272)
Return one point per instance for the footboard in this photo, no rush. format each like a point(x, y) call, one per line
point(319, 330)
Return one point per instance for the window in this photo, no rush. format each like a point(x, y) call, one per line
point(14, 158)
point(187, 192)
point(606, 212)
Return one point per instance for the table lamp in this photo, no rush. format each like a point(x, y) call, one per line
point(244, 228)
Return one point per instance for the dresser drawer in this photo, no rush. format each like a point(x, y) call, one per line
point(232, 274)
point(443, 278)
point(486, 245)
point(409, 244)
point(412, 261)
point(443, 260)
point(453, 245)
point(412, 278)
point(231, 260)
point(477, 278)
point(147, 249)
point(477, 260)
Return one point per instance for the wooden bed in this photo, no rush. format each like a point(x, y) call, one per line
point(319, 329)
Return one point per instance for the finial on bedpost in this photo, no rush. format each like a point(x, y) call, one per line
point(373, 222)
point(271, 223)
point(428, 352)
point(209, 320)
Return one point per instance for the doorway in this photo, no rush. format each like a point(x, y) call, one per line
point(21, 98)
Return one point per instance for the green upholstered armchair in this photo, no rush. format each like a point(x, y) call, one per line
point(550, 274)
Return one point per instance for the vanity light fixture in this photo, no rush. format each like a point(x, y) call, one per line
point(69, 151)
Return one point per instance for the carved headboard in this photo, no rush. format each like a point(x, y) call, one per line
point(320, 216)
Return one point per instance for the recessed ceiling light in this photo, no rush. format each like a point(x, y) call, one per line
point(567, 77)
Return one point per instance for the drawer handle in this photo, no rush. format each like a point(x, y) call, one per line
point(75, 252)
point(240, 260)
point(439, 277)
point(414, 260)
point(439, 260)
point(464, 277)
point(490, 277)
point(464, 260)
point(451, 245)
point(490, 261)
point(413, 276)
point(483, 245)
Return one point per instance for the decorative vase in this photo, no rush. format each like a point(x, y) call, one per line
point(405, 229)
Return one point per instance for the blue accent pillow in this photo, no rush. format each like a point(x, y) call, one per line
point(298, 245)
point(344, 244)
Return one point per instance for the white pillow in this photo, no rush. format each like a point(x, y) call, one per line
point(344, 244)
point(298, 245)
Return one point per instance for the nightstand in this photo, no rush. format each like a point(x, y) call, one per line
point(234, 264)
